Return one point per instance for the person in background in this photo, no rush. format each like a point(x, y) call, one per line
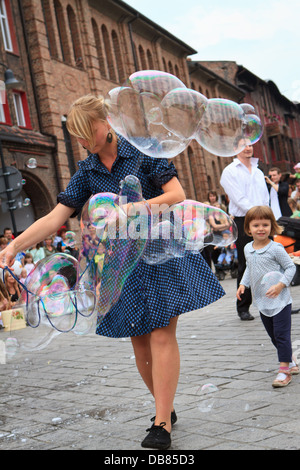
point(37, 252)
point(28, 262)
point(245, 186)
point(3, 243)
point(23, 275)
point(296, 193)
point(279, 193)
point(49, 247)
point(58, 237)
point(7, 233)
point(213, 199)
point(5, 302)
point(12, 287)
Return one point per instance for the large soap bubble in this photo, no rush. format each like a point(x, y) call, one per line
point(120, 230)
point(188, 227)
point(112, 242)
point(52, 301)
point(156, 113)
point(160, 116)
point(268, 305)
point(227, 127)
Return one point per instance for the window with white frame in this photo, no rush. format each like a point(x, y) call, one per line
point(5, 27)
point(19, 109)
point(2, 114)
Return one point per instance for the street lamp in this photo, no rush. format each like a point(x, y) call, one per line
point(9, 81)
point(9, 78)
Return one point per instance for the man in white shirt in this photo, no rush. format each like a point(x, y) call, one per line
point(245, 186)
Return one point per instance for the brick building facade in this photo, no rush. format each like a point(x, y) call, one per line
point(60, 50)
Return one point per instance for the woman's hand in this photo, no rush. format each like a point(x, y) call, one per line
point(7, 256)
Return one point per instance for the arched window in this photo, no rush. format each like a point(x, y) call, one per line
point(98, 46)
point(209, 182)
point(49, 28)
point(118, 56)
point(215, 174)
point(75, 36)
point(164, 64)
point(142, 58)
point(150, 60)
point(170, 66)
point(61, 26)
point(108, 54)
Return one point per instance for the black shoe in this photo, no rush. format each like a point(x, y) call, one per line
point(245, 316)
point(158, 437)
point(173, 417)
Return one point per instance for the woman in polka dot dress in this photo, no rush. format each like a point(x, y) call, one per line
point(153, 296)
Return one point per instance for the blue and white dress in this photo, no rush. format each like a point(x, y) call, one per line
point(152, 294)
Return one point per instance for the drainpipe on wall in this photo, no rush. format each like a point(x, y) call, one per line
point(132, 43)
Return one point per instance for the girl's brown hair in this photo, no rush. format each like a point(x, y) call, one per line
point(84, 112)
point(262, 212)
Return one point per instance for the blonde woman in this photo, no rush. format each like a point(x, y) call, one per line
point(12, 288)
point(153, 296)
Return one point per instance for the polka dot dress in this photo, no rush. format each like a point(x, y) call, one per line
point(152, 294)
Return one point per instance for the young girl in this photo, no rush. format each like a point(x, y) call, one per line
point(153, 296)
point(265, 256)
point(28, 262)
point(23, 276)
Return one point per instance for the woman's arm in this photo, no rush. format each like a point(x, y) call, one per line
point(172, 194)
point(36, 233)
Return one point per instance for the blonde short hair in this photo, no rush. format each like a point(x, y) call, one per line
point(262, 212)
point(84, 112)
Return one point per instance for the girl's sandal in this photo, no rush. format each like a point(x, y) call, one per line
point(294, 370)
point(283, 378)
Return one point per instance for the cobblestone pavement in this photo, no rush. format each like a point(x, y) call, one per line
point(85, 393)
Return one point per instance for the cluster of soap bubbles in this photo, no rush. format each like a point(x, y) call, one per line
point(52, 301)
point(63, 294)
point(116, 242)
point(160, 116)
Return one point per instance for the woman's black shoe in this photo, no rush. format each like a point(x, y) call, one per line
point(158, 437)
point(173, 417)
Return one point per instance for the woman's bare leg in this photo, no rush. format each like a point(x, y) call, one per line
point(158, 362)
point(143, 359)
point(165, 370)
